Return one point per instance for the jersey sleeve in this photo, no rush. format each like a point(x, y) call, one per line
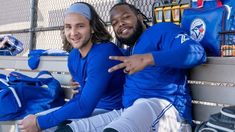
point(96, 82)
point(173, 47)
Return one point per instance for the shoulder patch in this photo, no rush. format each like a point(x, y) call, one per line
point(183, 37)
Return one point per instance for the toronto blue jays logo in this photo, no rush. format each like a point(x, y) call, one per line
point(197, 29)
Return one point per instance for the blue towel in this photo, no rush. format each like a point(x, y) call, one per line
point(34, 56)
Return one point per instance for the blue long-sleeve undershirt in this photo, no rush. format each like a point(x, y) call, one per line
point(99, 89)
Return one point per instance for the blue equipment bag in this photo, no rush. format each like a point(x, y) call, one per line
point(206, 3)
point(230, 24)
point(220, 122)
point(21, 95)
point(10, 103)
point(204, 26)
point(229, 4)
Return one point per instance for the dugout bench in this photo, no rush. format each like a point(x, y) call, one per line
point(212, 84)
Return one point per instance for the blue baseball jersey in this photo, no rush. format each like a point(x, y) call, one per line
point(173, 52)
point(99, 89)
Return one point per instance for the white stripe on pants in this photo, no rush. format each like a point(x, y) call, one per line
point(137, 118)
point(52, 129)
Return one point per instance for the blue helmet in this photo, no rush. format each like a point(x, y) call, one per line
point(12, 47)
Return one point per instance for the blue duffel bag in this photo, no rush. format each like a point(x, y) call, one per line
point(21, 95)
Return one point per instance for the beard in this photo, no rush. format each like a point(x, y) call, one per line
point(130, 40)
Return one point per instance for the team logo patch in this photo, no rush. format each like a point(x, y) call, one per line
point(183, 37)
point(197, 29)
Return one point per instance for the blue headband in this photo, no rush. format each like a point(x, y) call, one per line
point(81, 9)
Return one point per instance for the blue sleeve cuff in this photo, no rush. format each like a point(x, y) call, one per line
point(42, 122)
point(46, 121)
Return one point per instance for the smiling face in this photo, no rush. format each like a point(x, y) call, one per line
point(78, 31)
point(126, 24)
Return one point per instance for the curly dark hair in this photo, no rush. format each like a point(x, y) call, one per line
point(134, 9)
point(66, 45)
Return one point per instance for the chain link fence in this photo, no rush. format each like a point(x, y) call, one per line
point(38, 23)
point(15, 19)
